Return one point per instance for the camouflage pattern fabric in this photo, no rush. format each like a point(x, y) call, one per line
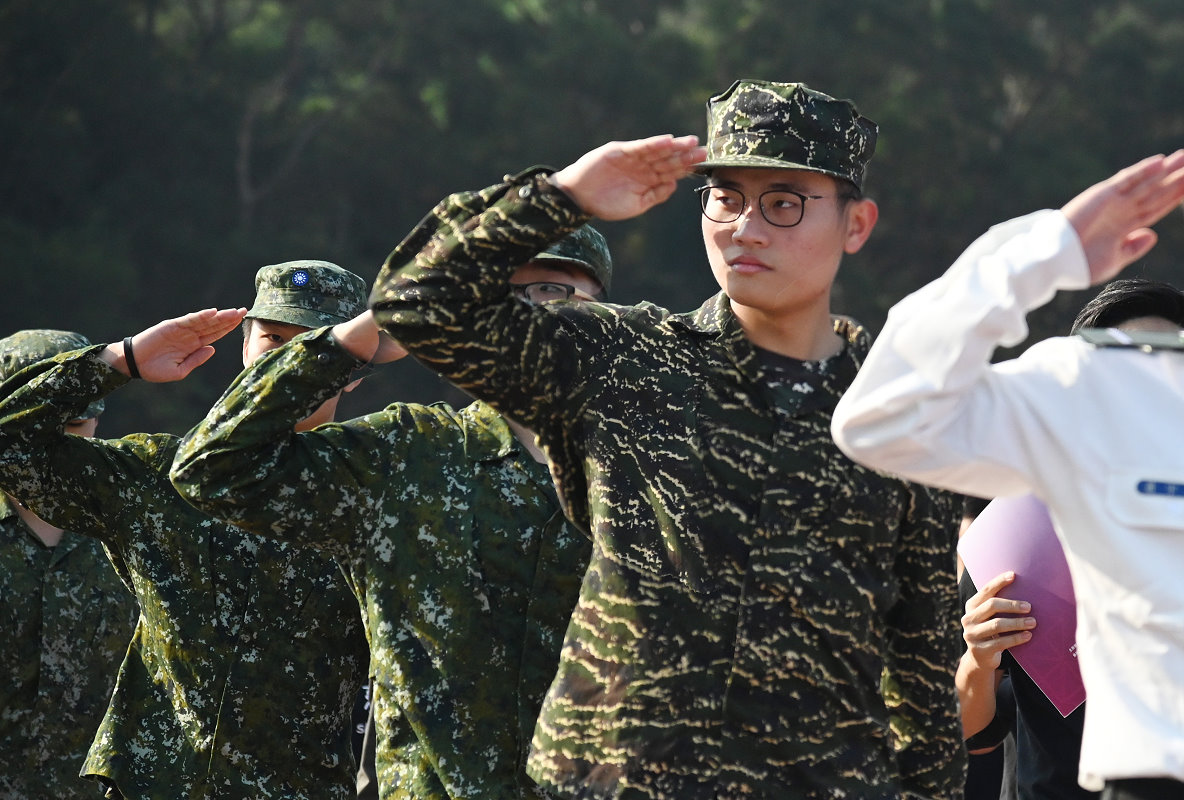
point(451, 535)
point(26, 347)
point(587, 248)
point(777, 125)
point(749, 585)
point(65, 622)
point(307, 293)
point(241, 676)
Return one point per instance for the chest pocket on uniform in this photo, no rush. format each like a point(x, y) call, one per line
point(1147, 497)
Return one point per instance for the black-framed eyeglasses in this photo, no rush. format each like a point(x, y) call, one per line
point(545, 291)
point(780, 207)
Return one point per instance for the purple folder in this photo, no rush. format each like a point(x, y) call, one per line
point(1016, 533)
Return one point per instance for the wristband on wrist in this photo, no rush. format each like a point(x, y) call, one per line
point(990, 736)
point(129, 357)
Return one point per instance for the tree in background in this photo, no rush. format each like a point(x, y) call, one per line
point(155, 153)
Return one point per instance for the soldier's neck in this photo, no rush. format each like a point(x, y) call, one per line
point(527, 438)
point(48, 534)
point(326, 412)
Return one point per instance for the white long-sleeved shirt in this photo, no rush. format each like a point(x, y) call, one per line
point(1097, 433)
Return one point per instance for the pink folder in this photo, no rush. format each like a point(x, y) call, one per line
point(1016, 533)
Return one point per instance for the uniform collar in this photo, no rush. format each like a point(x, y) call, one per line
point(715, 319)
point(9, 514)
point(487, 435)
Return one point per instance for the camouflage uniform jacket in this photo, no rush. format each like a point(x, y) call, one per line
point(241, 676)
point(749, 586)
point(451, 535)
point(65, 623)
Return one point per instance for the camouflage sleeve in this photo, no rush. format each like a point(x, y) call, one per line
point(70, 481)
point(444, 295)
point(244, 463)
point(923, 651)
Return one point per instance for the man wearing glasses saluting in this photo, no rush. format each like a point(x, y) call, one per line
point(752, 591)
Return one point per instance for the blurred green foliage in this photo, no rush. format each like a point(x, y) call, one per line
point(155, 153)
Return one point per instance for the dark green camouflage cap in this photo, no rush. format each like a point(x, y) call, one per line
point(787, 126)
point(27, 347)
point(586, 248)
point(307, 293)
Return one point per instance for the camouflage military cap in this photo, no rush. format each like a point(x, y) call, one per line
point(307, 293)
point(787, 126)
point(27, 347)
point(586, 248)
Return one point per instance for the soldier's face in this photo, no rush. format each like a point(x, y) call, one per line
point(265, 335)
point(772, 270)
point(83, 427)
point(551, 271)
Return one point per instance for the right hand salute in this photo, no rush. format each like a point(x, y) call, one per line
point(1113, 218)
point(620, 180)
point(170, 350)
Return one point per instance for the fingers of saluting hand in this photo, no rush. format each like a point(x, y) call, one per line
point(208, 325)
point(171, 349)
point(1112, 218)
point(619, 180)
point(1149, 190)
point(667, 157)
point(211, 324)
point(657, 163)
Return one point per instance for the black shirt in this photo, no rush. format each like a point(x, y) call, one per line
point(1048, 746)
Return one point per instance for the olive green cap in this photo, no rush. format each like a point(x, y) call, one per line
point(311, 294)
point(27, 347)
point(787, 126)
point(586, 248)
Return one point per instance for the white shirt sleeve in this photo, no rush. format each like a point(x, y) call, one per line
point(927, 403)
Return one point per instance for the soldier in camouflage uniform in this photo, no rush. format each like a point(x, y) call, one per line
point(67, 620)
point(241, 675)
point(446, 524)
point(750, 587)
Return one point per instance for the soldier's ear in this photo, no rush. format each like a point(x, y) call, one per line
point(861, 218)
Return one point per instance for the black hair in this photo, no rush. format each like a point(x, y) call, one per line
point(1129, 298)
point(847, 192)
point(972, 505)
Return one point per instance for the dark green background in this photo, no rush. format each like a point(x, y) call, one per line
point(155, 153)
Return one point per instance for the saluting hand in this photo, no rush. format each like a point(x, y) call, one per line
point(1112, 218)
point(170, 350)
point(620, 180)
